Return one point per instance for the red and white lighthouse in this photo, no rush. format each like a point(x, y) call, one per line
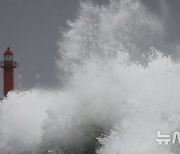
point(8, 65)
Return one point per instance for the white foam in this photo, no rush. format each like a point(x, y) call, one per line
point(106, 87)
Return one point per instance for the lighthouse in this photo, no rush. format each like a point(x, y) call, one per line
point(8, 66)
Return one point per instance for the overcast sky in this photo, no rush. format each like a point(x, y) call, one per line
point(32, 29)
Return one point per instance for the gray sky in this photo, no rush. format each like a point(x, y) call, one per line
point(32, 29)
point(171, 20)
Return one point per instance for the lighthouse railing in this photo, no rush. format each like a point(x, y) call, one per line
point(9, 64)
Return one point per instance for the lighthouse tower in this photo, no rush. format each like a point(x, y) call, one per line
point(8, 65)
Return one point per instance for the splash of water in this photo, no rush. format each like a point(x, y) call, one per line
point(119, 90)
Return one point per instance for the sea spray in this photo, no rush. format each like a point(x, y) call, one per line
point(21, 117)
point(119, 90)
